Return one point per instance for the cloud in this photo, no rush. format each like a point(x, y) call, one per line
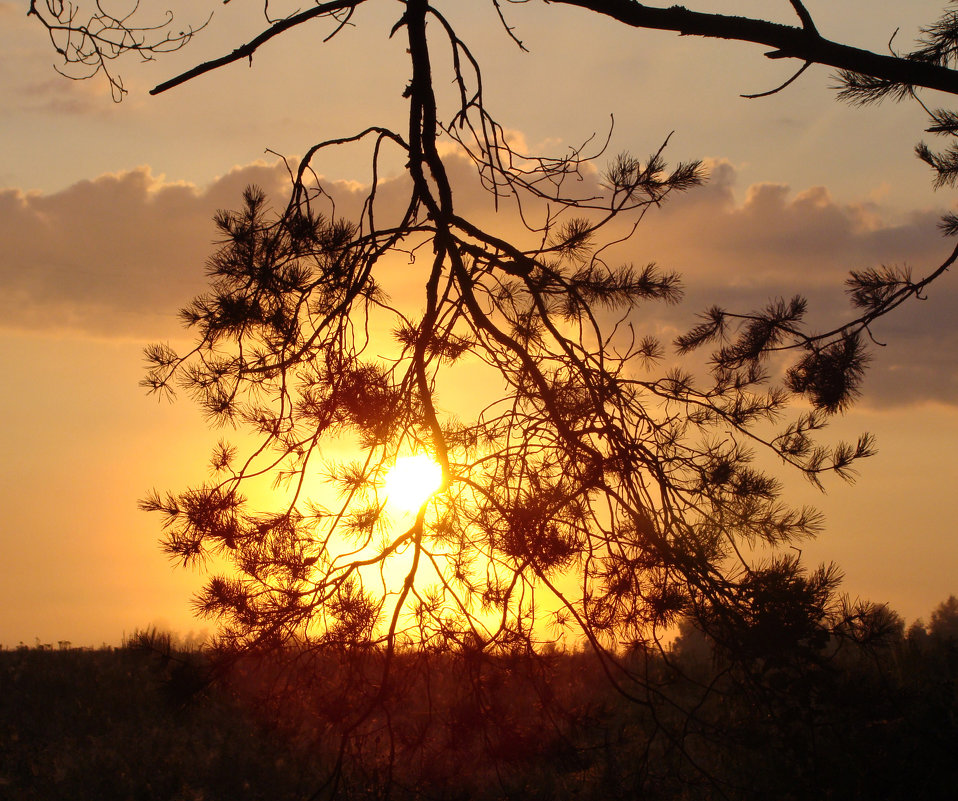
point(58, 95)
point(773, 235)
point(773, 242)
point(118, 255)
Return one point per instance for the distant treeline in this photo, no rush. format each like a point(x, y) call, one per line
point(872, 715)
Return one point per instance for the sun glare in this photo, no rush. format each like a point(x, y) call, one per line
point(411, 481)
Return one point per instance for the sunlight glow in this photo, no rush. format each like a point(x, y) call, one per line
point(411, 482)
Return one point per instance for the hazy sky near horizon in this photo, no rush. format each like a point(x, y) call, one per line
point(105, 225)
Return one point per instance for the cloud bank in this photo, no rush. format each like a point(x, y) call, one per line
point(113, 256)
point(118, 255)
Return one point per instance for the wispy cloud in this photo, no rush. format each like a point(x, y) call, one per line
point(58, 95)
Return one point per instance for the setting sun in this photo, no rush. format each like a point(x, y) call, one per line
point(411, 481)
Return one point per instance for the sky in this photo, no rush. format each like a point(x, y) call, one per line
point(105, 226)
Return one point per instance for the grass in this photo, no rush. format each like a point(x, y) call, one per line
point(145, 723)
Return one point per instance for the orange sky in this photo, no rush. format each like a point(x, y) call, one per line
point(104, 220)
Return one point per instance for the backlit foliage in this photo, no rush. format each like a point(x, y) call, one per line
point(599, 483)
point(598, 492)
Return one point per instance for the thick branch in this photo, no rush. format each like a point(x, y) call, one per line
point(788, 42)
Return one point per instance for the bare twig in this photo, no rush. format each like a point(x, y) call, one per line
point(247, 50)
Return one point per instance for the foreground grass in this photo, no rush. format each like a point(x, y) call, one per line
point(145, 723)
point(123, 724)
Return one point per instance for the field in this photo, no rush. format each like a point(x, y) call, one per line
point(863, 720)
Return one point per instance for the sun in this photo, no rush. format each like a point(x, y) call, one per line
point(411, 481)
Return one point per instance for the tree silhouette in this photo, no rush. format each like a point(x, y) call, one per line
point(944, 620)
point(587, 488)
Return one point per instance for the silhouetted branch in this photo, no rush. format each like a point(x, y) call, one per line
point(91, 43)
point(787, 42)
point(804, 16)
point(779, 88)
point(247, 50)
point(593, 489)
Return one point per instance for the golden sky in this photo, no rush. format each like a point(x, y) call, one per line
point(105, 226)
